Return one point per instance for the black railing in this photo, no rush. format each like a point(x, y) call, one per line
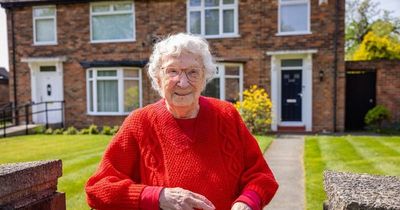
point(8, 118)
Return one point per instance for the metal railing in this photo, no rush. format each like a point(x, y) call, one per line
point(8, 116)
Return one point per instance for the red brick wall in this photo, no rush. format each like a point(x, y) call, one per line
point(387, 83)
point(257, 29)
point(4, 96)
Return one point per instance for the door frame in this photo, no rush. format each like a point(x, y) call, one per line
point(276, 87)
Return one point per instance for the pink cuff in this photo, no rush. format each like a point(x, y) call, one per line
point(149, 198)
point(251, 198)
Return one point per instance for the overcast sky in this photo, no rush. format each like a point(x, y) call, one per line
point(391, 5)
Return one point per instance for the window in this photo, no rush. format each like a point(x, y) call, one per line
point(227, 83)
point(112, 22)
point(113, 91)
point(44, 25)
point(213, 18)
point(294, 17)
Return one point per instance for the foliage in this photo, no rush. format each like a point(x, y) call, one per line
point(49, 131)
point(40, 129)
point(114, 130)
point(255, 110)
point(93, 129)
point(71, 131)
point(375, 47)
point(106, 130)
point(84, 131)
point(376, 116)
point(58, 131)
point(131, 96)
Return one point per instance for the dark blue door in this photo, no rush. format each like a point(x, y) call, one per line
point(291, 95)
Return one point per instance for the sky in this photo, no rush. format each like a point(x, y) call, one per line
point(391, 5)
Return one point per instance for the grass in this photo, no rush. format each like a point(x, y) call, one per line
point(80, 155)
point(358, 154)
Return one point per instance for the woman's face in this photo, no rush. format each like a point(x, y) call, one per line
point(181, 80)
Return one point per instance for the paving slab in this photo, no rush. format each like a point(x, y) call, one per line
point(285, 158)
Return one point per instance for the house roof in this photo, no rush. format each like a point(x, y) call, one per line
point(3, 74)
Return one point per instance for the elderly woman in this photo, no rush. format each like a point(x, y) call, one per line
point(185, 151)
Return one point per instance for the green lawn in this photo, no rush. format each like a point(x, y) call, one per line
point(264, 142)
point(80, 155)
point(358, 154)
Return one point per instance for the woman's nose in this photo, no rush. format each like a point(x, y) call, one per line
point(183, 81)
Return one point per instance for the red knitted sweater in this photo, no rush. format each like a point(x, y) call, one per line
point(219, 162)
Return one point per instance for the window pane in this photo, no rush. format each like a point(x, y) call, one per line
point(91, 96)
point(292, 63)
point(47, 69)
point(228, 21)
point(112, 27)
point(90, 74)
point(131, 73)
point(195, 22)
point(195, 2)
point(42, 12)
point(212, 89)
point(45, 30)
point(131, 95)
point(123, 7)
point(111, 73)
point(212, 21)
point(294, 18)
point(210, 3)
point(107, 96)
point(101, 8)
point(232, 89)
point(229, 1)
point(232, 70)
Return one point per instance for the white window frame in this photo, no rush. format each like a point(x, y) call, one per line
point(307, 31)
point(221, 7)
point(53, 17)
point(112, 12)
point(222, 77)
point(120, 78)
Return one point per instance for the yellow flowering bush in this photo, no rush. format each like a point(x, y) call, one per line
point(255, 110)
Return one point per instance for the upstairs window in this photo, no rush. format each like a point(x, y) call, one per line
point(44, 25)
point(294, 17)
point(227, 83)
point(213, 18)
point(112, 22)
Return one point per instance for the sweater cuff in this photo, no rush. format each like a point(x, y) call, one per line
point(251, 198)
point(149, 198)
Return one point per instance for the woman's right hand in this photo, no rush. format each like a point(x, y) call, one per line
point(181, 199)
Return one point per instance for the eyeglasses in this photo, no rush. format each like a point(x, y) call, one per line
point(193, 73)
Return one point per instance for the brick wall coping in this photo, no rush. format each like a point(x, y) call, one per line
point(370, 65)
point(24, 183)
point(348, 191)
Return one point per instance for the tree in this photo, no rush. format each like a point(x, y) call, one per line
point(377, 47)
point(364, 16)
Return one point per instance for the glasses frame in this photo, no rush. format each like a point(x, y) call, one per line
point(186, 70)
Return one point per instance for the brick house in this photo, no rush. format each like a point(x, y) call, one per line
point(4, 97)
point(92, 55)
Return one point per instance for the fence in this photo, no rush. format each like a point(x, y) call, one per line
point(10, 116)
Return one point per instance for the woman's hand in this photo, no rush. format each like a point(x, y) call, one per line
point(181, 199)
point(240, 206)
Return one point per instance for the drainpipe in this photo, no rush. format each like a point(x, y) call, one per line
point(13, 65)
point(335, 66)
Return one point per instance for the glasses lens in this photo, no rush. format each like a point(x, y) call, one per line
point(193, 74)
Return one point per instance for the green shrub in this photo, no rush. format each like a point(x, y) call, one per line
point(84, 131)
point(39, 129)
point(58, 131)
point(49, 131)
point(93, 129)
point(106, 130)
point(71, 131)
point(376, 116)
point(255, 110)
point(114, 130)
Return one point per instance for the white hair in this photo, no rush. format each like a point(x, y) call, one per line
point(174, 45)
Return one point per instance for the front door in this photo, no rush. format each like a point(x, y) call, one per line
point(360, 97)
point(48, 96)
point(291, 96)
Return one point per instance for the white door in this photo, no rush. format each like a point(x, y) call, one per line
point(48, 96)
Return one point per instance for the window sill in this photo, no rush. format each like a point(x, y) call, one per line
point(294, 33)
point(45, 43)
point(111, 41)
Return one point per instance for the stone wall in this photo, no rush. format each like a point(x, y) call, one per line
point(387, 82)
point(347, 191)
point(257, 35)
point(31, 186)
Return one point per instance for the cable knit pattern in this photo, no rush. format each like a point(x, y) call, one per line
point(220, 161)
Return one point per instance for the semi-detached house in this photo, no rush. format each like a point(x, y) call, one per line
point(92, 55)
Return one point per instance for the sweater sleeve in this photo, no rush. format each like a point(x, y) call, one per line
point(257, 175)
point(116, 183)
